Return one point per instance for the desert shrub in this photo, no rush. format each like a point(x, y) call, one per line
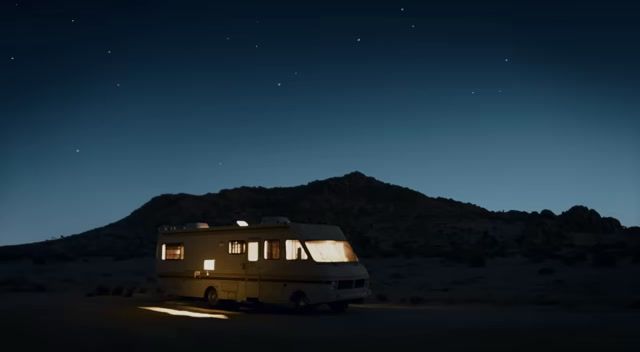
point(382, 297)
point(117, 291)
point(21, 284)
point(546, 271)
point(397, 276)
point(129, 291)
point(101, 290)
point(544, 300)
point(604, 260)
point(636, 256)
point(477, 261)
point(38, 260)
point(574, 258)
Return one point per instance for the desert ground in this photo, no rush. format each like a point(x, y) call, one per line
point(41, 321)
point(101, 304)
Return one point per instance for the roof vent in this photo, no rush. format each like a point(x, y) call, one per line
point(196, 225)
point(273, 220)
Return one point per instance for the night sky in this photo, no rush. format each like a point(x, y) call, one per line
point(506, 104)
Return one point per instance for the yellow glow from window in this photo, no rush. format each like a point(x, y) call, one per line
point(172, 251)
point(185, 313)
point(253, 252)
point(209, 264)
point(331, 251)
point(294, 250)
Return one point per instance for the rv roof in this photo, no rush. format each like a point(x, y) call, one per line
point(174, 229)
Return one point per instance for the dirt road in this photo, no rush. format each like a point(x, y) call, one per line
point(47, 321)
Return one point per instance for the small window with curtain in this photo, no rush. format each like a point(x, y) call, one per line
point(272, 249)
point(294, 250)
point(237, 247)
point(172, 251)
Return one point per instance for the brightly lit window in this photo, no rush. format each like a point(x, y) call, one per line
point(252, 254)
point(329, 251)
point(294, 250)
point(209, 264)
point(272, 249)
point(172, 251)
point(237, 247)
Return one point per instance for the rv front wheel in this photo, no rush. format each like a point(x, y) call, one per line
point(211, 296)
point(299, 302)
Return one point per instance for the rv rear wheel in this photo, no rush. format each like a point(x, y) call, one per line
point(299, 302)
point(211, 296)
point(339, 307)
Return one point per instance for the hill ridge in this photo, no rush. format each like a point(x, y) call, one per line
point(381, 219)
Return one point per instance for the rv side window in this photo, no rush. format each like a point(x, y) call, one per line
point(272, 249)
point(294, 250)
point(172, 251)
point(237, 247)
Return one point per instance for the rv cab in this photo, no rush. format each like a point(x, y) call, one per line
point(274, 262)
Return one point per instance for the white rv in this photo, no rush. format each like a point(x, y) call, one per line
point(275, 262)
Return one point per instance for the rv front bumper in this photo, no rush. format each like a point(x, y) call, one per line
point(345, 290)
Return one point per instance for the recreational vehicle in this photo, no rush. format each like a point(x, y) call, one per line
point(274, 262)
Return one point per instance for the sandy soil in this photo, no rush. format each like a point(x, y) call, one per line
point(67, 321)
point(508, 305)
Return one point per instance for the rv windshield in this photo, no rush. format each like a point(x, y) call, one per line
point(329, 251)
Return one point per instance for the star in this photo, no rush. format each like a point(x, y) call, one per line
point(118, 85)
point(228, 38)
point(506, 59)
point(73, 21)
point(279, 84)
point(473, 92)
point(499, 90)
point(77, 150)
point(413, 26)
point(256, 45)
point(108, 51)
point(402, 9)
point(12, 58)
point(219, 163)
point(358, 40)
point(295, 73)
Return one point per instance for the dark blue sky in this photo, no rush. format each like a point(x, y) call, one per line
point(508, 105)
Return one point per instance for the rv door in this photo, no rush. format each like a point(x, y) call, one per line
point(252, 270)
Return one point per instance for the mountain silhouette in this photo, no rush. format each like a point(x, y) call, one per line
point(380, 219)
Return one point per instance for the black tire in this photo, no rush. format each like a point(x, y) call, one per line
point(339, 307)
point(299, 302)
point(211, 296)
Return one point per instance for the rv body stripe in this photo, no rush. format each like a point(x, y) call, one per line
point(204, 277)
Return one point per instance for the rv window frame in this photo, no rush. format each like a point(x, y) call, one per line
point(163, 250)
point(302, 245)
point(242, 251)
point(264, 248)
